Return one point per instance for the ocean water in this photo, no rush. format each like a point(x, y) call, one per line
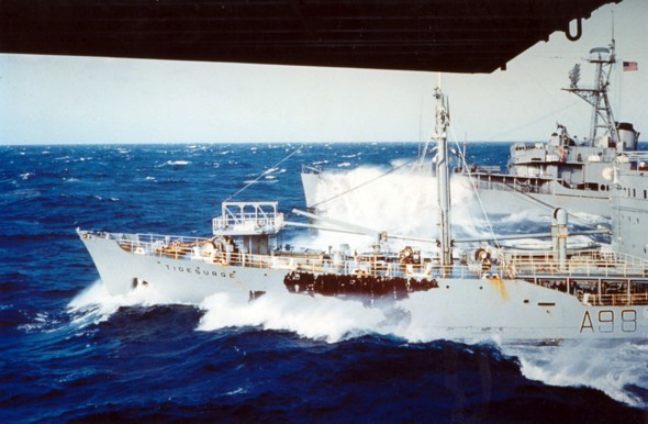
point(69, 351)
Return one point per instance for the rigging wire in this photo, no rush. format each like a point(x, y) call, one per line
point(264, 173)
point(465, 166)
point(534, 121)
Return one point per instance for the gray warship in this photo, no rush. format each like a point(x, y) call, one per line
point(480, 291)
point(567, 172)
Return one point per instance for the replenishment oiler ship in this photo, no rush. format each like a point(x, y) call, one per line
point(482, 290)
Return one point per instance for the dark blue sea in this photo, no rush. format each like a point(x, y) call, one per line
point(69, 352)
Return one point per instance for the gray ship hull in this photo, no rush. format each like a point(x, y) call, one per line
point(459, 308)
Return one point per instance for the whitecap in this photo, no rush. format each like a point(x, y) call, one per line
point(177, 162)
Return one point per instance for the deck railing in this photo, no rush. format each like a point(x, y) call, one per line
point(615, 299)
point(196, 249)
point(584, 264)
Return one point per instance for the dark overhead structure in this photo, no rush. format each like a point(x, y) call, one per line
point(434, 35)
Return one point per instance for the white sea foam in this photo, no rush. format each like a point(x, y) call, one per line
point(610, 366)
point(95, 304)
point(316, 317)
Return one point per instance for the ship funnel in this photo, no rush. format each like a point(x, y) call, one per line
point(628, 137)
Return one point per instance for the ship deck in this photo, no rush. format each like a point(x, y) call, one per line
point(594, 277)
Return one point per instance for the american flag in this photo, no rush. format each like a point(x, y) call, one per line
point(630, 66)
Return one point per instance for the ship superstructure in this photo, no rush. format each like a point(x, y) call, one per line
point(630, 205)
point(482, 291)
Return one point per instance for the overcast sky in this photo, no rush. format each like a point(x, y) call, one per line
point(60, 99)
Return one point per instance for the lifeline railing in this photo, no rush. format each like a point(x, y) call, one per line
point(241, 218)
point(615, 299)
point(586, 263)
point(192, 248)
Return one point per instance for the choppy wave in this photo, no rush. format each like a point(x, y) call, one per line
point(618, 368)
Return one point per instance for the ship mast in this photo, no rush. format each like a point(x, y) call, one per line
point(443, 177)
point(602, 117)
